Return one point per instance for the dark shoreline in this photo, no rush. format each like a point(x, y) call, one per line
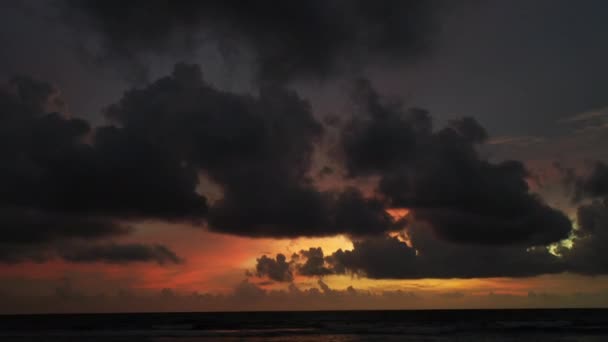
point(470, 322)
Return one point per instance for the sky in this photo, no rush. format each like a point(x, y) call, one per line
point(306, 155)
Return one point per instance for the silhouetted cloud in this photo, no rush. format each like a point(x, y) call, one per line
point(590, 191)
point(429, 257)
point(588, 254)
point(257, 149)
point(71, 190)
point(276, 269)
point(63, 181)
point(24, 226)
point(595, 184)
point(29, 234)
point(56, 163)
point(442, 179)
point(314, 264)
point(420, 253)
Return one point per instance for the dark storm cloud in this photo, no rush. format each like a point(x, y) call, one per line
point(41, 236)
point(27, 226)
point(294, 39)
point(424, 256)
point(443, 179)
point(427, 255)
point(276, 210)
point(590, 239)
point(62, 181)
point(278, 269)
point(258, 149)
point(67, 188)
point(589, 255)
point(55, 163)
point(592, 218)
point(430, 257)
point(120, 254)
point(28, 234)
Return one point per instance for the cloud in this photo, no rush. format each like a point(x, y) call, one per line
point(146, 165)
point(390, 258)
point(314, 264)
point(70, 189)
point(304, 39)
point(420, 253)
point(178, 126)
point(257, 149)
point(308, 263)
point(593, 185)
point(38, 236)
point(275, 269)
point(440, 176)
point(588, 253)
point(32, 235)
point(63, 181)
point(59, 164)
point(22, 226)
point(292, 212)
point(426, 256)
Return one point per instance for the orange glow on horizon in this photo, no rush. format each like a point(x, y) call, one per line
point(216, 263)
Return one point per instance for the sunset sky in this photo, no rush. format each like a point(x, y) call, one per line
point(281, 155)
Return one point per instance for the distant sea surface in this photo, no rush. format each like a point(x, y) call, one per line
point(431, 325)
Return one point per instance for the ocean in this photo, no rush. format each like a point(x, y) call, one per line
point(342, 326)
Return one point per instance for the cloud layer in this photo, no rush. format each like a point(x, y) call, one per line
point(306, 39)
point(440, 175)
point(71, 190)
